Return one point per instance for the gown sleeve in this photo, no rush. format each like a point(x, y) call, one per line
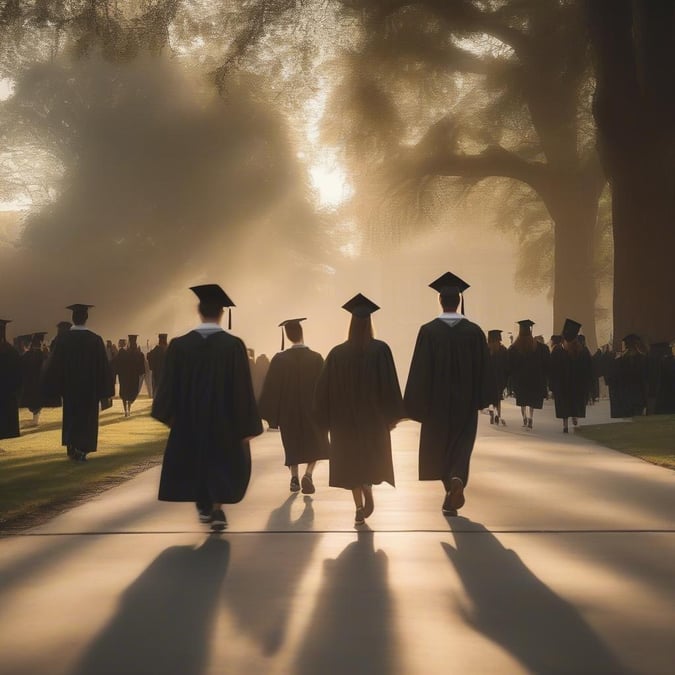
point(270, 397)
point(245, 406)
point(417, 396)
point(163, 403)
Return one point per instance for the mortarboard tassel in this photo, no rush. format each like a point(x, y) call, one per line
point(283, 341)
point(229, 318)
point(462, 309)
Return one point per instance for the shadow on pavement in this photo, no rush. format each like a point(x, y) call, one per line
point(514, 609)
point(164, 621)
point(261, 598)
point(350, 630)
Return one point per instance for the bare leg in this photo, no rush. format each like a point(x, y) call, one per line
point(565, 425)
point(294, 470)
point(523, 411)
point(368, 502)
point(307, 484)
point(359, 517)
point(310, 468)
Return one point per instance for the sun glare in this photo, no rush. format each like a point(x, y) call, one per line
point(330, 183)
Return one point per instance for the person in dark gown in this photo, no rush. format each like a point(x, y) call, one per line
point(205, 396)
point(259, 372)
point(627, 380)
point(665, 391)
point(286, 402)
point(10, 385)
point(528, 365)
point(78, 371)
point(156, 357)
point(32, 367)
point(358, 399)
point(448, 384)
point(657, 352)
point(499, 375)
point(130, 367)
point(571, 372)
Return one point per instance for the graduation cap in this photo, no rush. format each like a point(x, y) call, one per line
point(570, 329)
point(132, 339)
point(288, 322)
point(525, 323)
point(40, 336)
point(360, 306)
point(494, 334)
point(448, 284)
point(632, 340)
point(162, 338)
point(80, 309)
point(3, 324)
point(213, 293)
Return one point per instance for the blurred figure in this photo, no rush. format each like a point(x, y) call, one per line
point(78, 371)
point(570, 376)
point(32, 366)
point(447, 385)
point(657, 352)
point(358, 399)
point(130, 367)
point(498, 375)
point(205, 396)
point(62, 328)
point(156, 358)
point(627, 380)
point(110, 350)
point(528, 366)
point(665, 391)
point(260, 368)
point(286, 403)
point(10, 385)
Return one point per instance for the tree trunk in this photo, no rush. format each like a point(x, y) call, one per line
point(574, 283)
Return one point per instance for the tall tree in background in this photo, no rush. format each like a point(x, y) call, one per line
point(635, 114)
point(530, 60)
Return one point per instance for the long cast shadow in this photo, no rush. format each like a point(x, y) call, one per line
point(260, 600)
point(164, 621)
point(350, 629)
point(517, 611)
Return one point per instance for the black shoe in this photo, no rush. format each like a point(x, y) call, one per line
point(456, 493)
point(359, 518)
point(529, 423)
point(295, 484)
point(77, 455)
point(492, 417)
point(204, 513)
point(218, 520)
point(307, 485)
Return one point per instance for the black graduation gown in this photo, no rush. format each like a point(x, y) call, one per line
point(286, 402)
point(358, 399)
point(206, 397)
point(627, 380)
point(156, 357)
point(447, 385)
point(529, 373)
point(498, 374)
point(79, 372)
point(129, 366)
point(665, 392)
point(571, 382)
point(32, 365)
point(10, 386)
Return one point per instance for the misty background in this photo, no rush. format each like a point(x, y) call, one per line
point(267, 146)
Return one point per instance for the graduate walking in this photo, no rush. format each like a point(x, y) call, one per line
point(10, 385)
point(448, 384)
point(32, 367)
point(499, 375)
point(130, 367)
point(286, 402)
point(358, 399)
point(528, 365)
point(205, 397)
point(78, 371)
point(627, 379)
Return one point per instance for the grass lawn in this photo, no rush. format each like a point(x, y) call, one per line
point(37, 480)
point(651, 438)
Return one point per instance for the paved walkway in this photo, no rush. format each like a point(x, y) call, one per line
point(563, 562)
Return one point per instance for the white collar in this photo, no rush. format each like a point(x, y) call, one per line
point(298, 345)
point(78, 328)
point(209, 326)
point(451, 315)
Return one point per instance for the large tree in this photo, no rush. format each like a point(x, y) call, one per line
point(635, 114)
point(527, 118)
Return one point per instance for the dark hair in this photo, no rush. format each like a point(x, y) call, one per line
point(494, 343)
point(573, 346)
point(293, 331)
point(80, 316)
point(525, 342)
point(210, 309)
point(360, 331)
point(450, 301)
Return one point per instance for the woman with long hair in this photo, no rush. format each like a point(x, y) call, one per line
point(498, 377)
point(358, 399)
point(571, 376)
point(528, 366)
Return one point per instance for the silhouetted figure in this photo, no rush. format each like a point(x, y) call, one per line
point(78, 371)
point(570, 375)
point(286, 402)
point(165, 618)
point(627, 380)
point(110, 350)
point(206, 397)
point(10, 385)
point(156, 357)
point(32, 366)
point(518, 612)
point(260, 369)
point(49, 399)
point(528, 365)
point(498, 374)
point(351, 629)
point(657, 352)
point(358, 399)
point(62, 328)
point(665, 392)
point(130, 367)
point(447, 385)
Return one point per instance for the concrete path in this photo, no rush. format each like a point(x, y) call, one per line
point(563, 562)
